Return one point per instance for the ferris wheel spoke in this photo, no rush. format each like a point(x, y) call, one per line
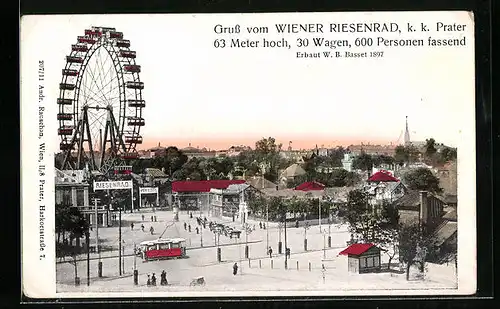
point(94, 80)
point(93, 96)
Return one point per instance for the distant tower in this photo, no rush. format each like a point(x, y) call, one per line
point(407, 133)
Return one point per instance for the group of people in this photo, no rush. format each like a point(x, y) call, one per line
point(152, 279)
point(151, 229)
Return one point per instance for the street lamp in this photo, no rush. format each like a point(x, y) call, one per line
point(319, 213)
point(120, 239)
point(306, 227)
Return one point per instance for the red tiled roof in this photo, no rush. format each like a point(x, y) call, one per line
point(202, 185)
point(384, 176)
point(310, 186)
point(356, 249)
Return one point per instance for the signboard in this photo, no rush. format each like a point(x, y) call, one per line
point(148, 190)
point(112, 185)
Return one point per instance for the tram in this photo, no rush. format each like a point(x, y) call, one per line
point(162, 249)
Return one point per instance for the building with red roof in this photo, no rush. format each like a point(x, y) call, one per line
point(382, 176)
point(362, 258)
point(310, 186)
point(195, 194)
point(200, 186)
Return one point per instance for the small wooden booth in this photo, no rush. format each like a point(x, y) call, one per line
point(362, 258)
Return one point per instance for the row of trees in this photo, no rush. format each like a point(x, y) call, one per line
point(300, 208)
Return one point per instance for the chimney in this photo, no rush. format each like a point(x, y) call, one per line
point(424, 211)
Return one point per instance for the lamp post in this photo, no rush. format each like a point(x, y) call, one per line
point(120, 240)
point(97, 247)
point(319, 213)
point(280, 227)
point(286, 246)
point(267, 224)
point(306, 227)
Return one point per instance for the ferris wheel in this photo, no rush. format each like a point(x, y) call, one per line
point(100, 102)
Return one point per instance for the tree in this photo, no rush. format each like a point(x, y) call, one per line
point(71, 220)
point(389, 231)
point(413, 246)
point(267, 152)
point(363, 162)
point(361, 217)
point(430, 148)
point(447, 154)
point(406, 154)
point(171, 161)
point(422, 179)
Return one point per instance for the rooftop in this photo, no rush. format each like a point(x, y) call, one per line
point(356, 249)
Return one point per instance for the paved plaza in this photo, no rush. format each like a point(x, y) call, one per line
point(258, 273)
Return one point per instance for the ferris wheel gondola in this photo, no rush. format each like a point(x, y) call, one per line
point(100, 102)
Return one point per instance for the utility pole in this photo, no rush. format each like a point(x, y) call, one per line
point(120, 240)
point(319, 213)
point(97, 247)
point(286, 245)
point(87, 236)
point(267, 224)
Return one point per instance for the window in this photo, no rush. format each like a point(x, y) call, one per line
point(362, 262)
point(175, 245)
point(369, 262)
point(163, 246)
point(376, 261)
point(80, 197)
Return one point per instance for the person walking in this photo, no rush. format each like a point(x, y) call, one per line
point(142, 217)
point(152, 230)
point(235, 268)
point(270, 251)
point(185, 225)
point(163, 280)
point(132, 226)
point(153, 280)
point(148, 283)
point(142, 227)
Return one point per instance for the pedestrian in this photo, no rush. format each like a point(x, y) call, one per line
point(185, 225)
point(153, 280)
point(296, 223)
point(287, 252)
point(197, 230)
point(151, 218)
point(155, 218)
point(264, 226)
point(152, 230)
point(142, 217)
point(132, 226)
point(142, 227)
point(148, 283)
point(235, 269)
point(191, 215)
point(163, 280)
point(260, 225)
point(270, 252)
point(189, 228)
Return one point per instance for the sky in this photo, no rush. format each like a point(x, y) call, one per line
point(214, 98)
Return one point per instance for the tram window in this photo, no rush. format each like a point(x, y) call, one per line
point(163, 246)
point(176, 245)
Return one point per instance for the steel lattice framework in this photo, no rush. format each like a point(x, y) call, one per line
point(100, 102)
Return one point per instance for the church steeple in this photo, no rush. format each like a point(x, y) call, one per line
point(407, 133)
